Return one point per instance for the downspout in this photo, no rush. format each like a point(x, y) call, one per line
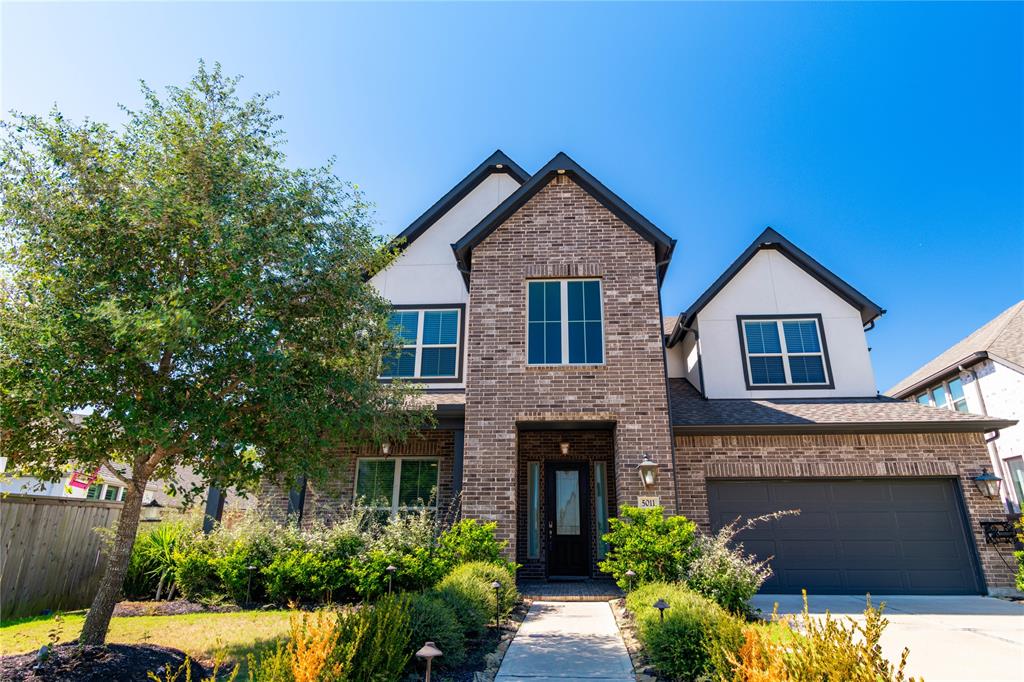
point(990, 442)
point(668, 396)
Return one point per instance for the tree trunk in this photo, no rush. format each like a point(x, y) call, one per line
point(98, 619)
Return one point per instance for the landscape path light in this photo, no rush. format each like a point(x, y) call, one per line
point(428, 652)
point(496, 586)
point(391, 575)
point(630, 574)
point(661, 605)
point(248, 587)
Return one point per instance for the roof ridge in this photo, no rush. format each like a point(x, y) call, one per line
point(1019, 305)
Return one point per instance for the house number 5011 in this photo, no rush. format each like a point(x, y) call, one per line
point(648, 502)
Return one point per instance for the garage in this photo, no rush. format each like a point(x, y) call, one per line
point(884, 536)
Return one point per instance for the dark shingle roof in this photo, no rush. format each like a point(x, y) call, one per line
point(668, 323)
point(692, 413)
point(1002, 338)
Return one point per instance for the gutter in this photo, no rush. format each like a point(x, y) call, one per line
point(941, 374)
point(972, 426)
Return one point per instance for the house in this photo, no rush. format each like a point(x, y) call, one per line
point(530, 306)
point(982, 374)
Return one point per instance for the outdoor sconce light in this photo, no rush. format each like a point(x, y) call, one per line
point(496, 586)
point(428, 652)
point(988, 483)
point(661, 605)
point(391, 574)
point(151, 511)
point(385, 448)
point(564, 447)
point(648, 471)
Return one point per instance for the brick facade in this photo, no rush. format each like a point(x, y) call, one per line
point(330, 501)
point(958, 455)
point(562, 231)
point(544, 446)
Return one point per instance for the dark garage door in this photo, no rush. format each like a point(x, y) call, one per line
point(885, 536)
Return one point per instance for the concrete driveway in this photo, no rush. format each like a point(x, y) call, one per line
point(950, 638)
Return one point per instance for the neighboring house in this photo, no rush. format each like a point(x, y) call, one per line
point(982, 374)
point(530, 307)
point(100, 484)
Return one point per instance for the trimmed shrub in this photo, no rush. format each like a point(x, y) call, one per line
point(468, 540)
point(195, 574)
point(656, 548)
point(432, 620)
point(697, 638)
point(471, 599)
point(300, 575)
point(486, 574)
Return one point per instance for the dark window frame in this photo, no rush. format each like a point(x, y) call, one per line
point(740, 319)
point(460, 350)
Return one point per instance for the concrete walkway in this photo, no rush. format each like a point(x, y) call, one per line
point(959, 639)
point(567, 641)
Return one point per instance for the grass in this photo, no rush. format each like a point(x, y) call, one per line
point(201, 635)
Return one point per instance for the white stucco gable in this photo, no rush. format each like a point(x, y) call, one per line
point(425, 272)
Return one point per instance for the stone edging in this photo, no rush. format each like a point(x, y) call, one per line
point(627, 628)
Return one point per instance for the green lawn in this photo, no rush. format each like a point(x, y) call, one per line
point(201, 635)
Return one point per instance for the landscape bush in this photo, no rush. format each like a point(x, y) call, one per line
point(1019, 555)
point(656, 548)
point(486, 573)
point(821, 648)
point(469, 540)
point(720, 570)
point(697, 639)
point(470, 598)
point(432, 620)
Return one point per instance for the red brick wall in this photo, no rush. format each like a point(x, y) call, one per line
point(543, 446)
point(960, 455)
point(562, 232)
point(330, 501)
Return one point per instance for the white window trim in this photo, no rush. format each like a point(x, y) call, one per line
point(419, 346)
point(785, 354)
point(394, 509)
point(950, 403)
point(564, 322)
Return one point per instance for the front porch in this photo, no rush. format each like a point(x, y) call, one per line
point(565, 493)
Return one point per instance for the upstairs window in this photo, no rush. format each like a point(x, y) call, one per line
point(784, 352)
point(949, 395)
point(430, 344)
point(564, 322)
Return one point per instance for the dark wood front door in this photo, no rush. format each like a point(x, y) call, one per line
point(568, 519)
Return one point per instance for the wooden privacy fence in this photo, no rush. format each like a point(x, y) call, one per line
point(50, 555)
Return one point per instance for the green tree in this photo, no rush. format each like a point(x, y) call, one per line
point(199, 301)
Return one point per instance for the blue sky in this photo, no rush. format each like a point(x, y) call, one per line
point(884, 139)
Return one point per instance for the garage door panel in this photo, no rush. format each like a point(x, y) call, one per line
point(865, 535)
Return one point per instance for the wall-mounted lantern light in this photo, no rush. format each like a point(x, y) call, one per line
point(988, 483)
point(151, 511)
point(648, 472)
point(385, 448)
point(564, 447)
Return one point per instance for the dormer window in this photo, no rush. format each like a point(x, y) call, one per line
point(430, 340)
point(784, 351)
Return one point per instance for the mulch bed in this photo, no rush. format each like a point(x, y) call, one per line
point(72, 663)
point(177, 607)
point(484, 654)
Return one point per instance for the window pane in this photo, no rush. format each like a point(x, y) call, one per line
point(575, 294)
point(577, 342)
point(923, 399)
point(567, 502)
point(956, 389)
point(762, 337)
point(592, 300)
point(400, 364)
point(767, 370)
point(601, 506)
point(807, 369)
point(801, 336)
point(440, 327)
point(375, 482)
point(939, 396)
point(94, 492)
point(535, 343)
point(418, 483)
point(111, 494)
point(552, 301)
point(405, 323)
point(533, 510)
point(595, 349)
point(552, 342)
point(437, 362)
point(535, 303)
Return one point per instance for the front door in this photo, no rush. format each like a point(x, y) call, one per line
point(568, 519)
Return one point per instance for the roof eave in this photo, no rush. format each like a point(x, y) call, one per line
point(936, 376)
